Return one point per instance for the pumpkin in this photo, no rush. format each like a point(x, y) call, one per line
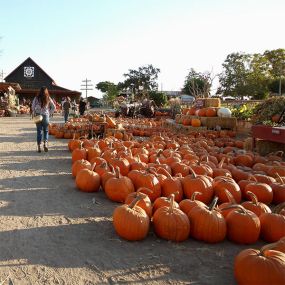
point(211, 112)
point(262, 191)
point(279, 245)
point(122, 163)
point(187, 204)
point(131, 222)
point(171, 223)
point(143, 202)
point(278, 190)
point(195, 122)
point(192, 183)
point(79, 153)
point(273, 224)
point(172, 185)
point(255, 206)
point(224, 112)
point(148, 180)
point(78, 165)
point(87, 180)
point(225, 208)
point(162, 202)
point(243, 226)
point(260, 267)
point(117, 188)
point(207, 224)
point(221, 183)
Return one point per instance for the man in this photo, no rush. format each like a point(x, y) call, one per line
point(82, 106)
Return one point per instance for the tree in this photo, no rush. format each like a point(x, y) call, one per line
point(159, 98)
point(198, 84)
point(276, 59)
point(141, 81)
point(109, 89)
point(234, 78)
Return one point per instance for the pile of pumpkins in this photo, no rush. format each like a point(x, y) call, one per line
point(187, 186)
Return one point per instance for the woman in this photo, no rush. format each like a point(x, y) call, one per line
point(43, 105)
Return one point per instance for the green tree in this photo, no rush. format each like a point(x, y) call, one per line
point(276, 59)
point(141, 81)
point(258, 77)
point(159, 98)
point(110, 91)
point(197, 84)
point(234, 78)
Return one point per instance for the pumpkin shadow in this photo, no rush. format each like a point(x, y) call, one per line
point(95, 247)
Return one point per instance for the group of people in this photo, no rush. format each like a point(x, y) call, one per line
point(44, 105)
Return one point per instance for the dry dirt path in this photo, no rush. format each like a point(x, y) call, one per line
point(50, 233)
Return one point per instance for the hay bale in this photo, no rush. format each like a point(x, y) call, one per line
point(212, 102)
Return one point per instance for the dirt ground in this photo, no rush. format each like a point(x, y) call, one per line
point(50, 233)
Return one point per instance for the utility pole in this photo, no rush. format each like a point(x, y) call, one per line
point(86, 86)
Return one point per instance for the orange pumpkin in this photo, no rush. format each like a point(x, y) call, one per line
point(131, 222)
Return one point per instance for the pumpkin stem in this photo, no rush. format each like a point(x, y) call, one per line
point(93, 166)
point(253, 198)
point(117, 171)
point(230, 197)
point(194, 194)
point(281, 179)
point(279, 208)
point(267, 247)
point(239, 207)
point(171, 197)
point(220, 165)
point(214, 203)
point(193, 172)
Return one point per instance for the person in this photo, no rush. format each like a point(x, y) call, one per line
point(65, 107)
point(43, 105)
point(82, 106)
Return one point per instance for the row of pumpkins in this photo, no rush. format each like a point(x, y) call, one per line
point(171, 179)
point(208, 112)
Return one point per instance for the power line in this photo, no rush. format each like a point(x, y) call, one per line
point(86, 86)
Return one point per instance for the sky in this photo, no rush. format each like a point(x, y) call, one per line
point(100, 40)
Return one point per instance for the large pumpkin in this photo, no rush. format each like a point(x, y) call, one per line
point(260, 267)
point(207, 224)
point(171, 223)
point(192, 183)
point(243, 226)
point(131, 222)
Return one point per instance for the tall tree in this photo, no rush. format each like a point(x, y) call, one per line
point(109, 89)
point(234, 78)
point(276, 60)
point(141, 81)
point(198, 84)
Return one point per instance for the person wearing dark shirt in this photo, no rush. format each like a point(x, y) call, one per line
point(66, 107)
point(82, 106)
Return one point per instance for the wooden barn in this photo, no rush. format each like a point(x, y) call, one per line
point(31, 77)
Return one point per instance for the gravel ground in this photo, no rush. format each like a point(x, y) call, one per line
point(50, 233)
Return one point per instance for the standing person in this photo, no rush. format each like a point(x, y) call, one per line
point(82, 106)
point(66, 107)
point(43, 105)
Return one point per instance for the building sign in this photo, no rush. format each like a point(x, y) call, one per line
point(29, 71)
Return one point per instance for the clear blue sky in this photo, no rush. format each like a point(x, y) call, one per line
point(101, 39)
